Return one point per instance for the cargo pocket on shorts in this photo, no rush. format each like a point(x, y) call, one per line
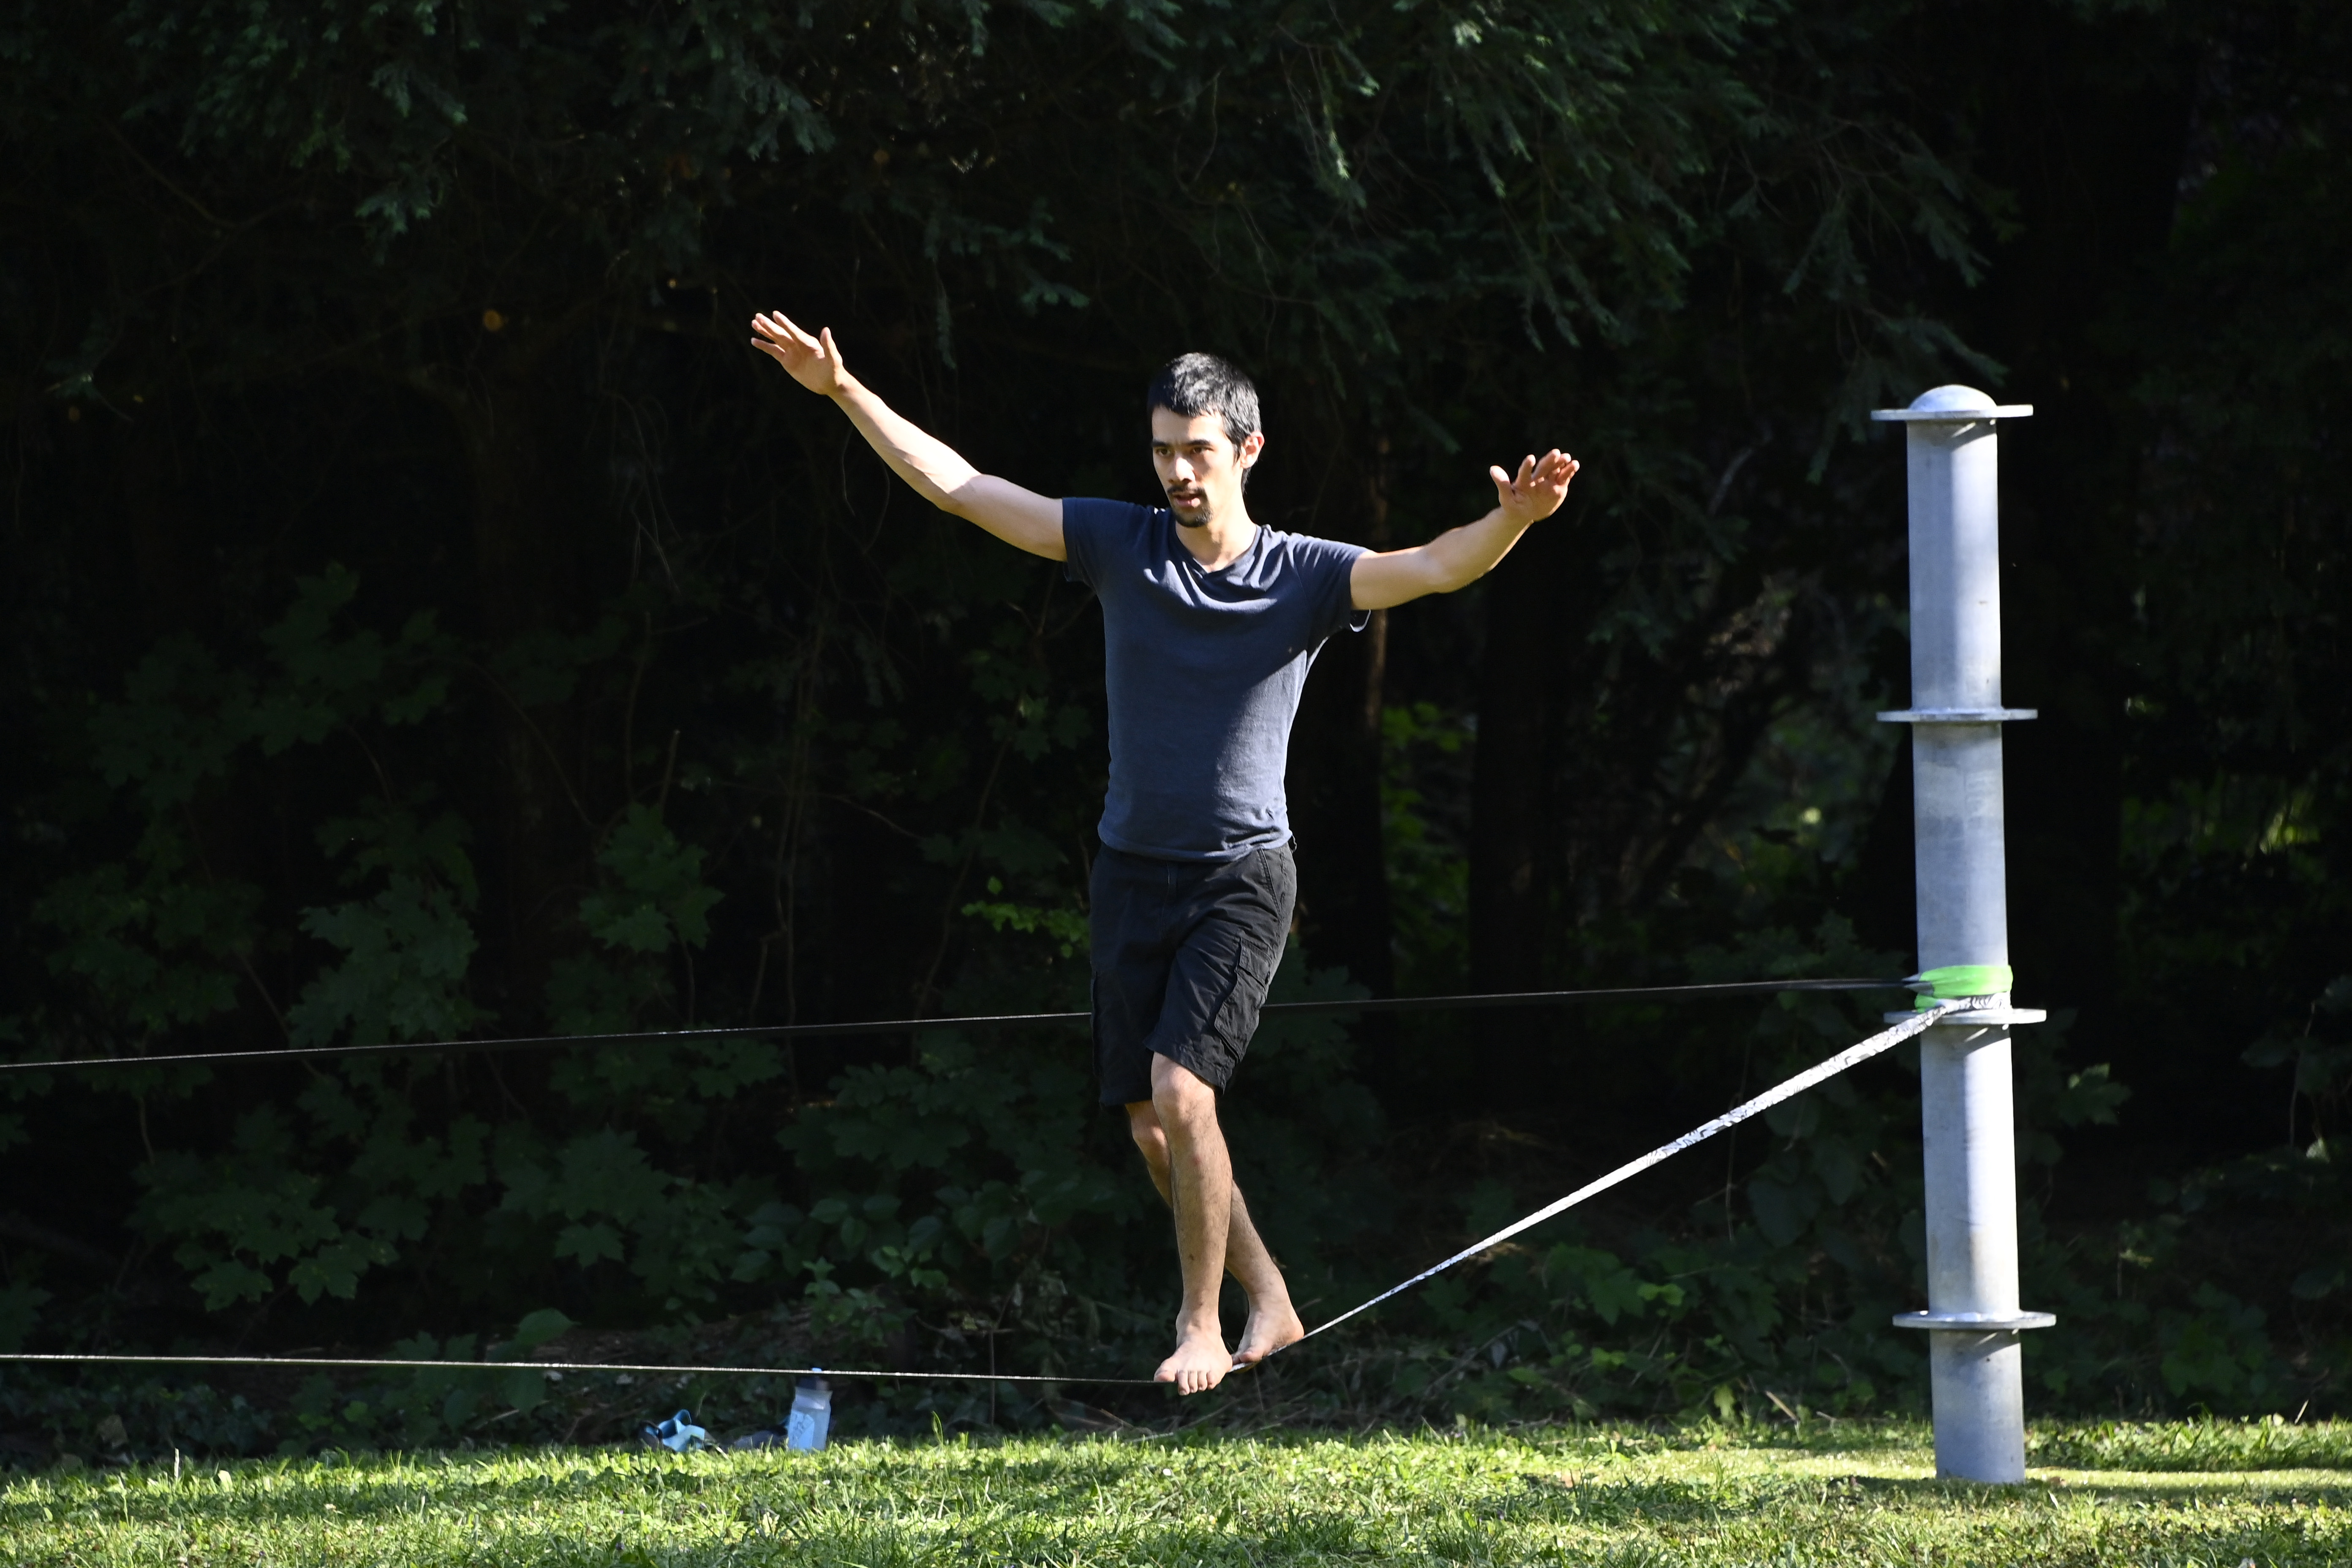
point(1258, 948)
point(1236, 1016)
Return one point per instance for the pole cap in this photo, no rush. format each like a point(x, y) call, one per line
point(1952, 406)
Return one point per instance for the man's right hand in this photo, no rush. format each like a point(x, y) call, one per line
point(813, 361)
point(1020, 518)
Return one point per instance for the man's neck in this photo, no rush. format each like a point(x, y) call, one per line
point(1220, 541)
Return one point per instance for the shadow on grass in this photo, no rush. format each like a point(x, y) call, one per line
point(2303, 1487)
point(2208, 1445)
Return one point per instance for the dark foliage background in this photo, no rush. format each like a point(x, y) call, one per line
point(425, 618)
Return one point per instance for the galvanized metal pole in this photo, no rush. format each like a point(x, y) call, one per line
point(1975, 1364)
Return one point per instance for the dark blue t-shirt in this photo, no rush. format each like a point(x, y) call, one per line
point(1204, 671)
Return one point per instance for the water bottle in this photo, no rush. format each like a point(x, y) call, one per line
point(811, 1416)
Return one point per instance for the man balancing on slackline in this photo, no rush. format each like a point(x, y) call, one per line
point(1210, 622)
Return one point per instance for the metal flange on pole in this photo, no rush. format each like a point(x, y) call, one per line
point(1973, 1320)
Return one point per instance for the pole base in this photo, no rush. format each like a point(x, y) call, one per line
point(1977, 1380)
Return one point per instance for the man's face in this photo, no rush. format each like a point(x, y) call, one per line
point(1200, 467)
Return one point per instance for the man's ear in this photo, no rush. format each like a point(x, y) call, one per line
point(1252, 445)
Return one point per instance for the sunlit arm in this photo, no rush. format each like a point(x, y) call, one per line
point(934, 470)
point(1460, 556)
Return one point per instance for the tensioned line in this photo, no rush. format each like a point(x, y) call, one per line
point(395, 1364)
point(981, 1021)
point(1819, 1073)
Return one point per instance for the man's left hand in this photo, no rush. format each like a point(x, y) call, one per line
point(1538, 488)
point(1460, 556)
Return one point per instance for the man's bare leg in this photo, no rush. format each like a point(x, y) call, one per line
point(1180, 1147)
point(1200, 1191)
point(1273, 1321)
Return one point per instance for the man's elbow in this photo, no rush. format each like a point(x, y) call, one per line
point(1451, 578)
point(959, 502)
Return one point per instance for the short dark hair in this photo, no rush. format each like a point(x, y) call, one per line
point(1192, 385)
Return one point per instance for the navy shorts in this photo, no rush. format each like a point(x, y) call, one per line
point(1184, 951)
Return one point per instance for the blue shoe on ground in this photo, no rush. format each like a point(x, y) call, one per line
point(679, 1435)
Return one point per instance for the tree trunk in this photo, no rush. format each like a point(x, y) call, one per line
point(171, 578)
point(532, 539)
point(1335, 806)
point(1507, 794)
point(1334, 779)
point(1511, 804)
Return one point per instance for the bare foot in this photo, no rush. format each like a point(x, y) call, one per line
point(1200, 1363)
point(1268, 1332)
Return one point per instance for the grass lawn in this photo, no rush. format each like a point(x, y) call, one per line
point(2171, 1495)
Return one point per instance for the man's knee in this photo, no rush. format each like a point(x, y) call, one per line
point(1180, 1097)
point(1143, 1126)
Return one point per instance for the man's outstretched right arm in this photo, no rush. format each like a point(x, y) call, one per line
point(939, 476)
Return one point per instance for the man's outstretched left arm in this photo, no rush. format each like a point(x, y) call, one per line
point(1460, 556)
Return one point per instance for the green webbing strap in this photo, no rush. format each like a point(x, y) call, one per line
point(1953, 980)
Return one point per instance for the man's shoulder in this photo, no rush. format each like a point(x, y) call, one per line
point(1104, 538)
point(1093, 514)
point(1310, 551)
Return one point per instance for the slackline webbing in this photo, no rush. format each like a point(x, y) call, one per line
point(1819, 1072)
point(1884, 1039)
point(981, 1021)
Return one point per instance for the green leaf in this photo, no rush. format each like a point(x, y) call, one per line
point(20, 1305)
point(658, 895)
point(1784, 1208)
point(407, 952)
point(589, 1244)
point(537, 1328)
